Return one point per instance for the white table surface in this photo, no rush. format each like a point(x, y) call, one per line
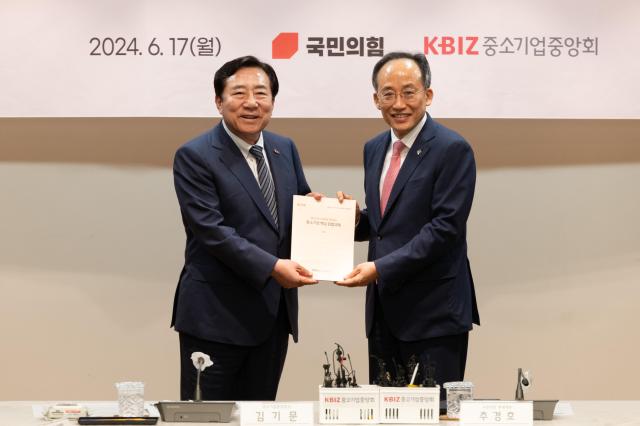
point(20, 413)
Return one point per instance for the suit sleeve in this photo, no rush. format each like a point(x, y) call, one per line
point(200, 206)
point(362, 228)
point(451, 203)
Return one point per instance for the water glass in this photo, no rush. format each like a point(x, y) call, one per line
point(130, 399)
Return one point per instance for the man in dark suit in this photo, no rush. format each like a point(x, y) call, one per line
point(237, 295)
point(419, 184)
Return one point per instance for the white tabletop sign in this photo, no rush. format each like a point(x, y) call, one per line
point(322, 236)
point(276, 413)
point(474, 413)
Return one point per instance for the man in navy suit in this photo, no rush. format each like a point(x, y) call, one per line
point(419, 184)
point(236, 299)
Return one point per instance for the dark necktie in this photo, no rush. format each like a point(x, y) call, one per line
point(265, 181)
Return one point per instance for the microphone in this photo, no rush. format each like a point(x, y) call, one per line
point(198, 394)
point(200, 362)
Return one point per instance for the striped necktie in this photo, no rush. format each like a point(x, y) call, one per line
point(265, 181)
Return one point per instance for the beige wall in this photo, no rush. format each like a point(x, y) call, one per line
point(91, 247)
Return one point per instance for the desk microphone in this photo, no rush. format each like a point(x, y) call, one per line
point(200, 362)
point(198, 394)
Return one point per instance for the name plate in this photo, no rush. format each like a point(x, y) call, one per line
point(475, 413)
point(276, 413)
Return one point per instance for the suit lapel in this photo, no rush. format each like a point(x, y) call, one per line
point(279, 172)
point(416, 154)
point(374, 183)
point(232, 157)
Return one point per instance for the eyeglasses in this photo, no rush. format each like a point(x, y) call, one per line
point(388, 97)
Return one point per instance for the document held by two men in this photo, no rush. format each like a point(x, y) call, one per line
point(322, 236)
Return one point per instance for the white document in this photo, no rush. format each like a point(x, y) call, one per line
point(322, 236)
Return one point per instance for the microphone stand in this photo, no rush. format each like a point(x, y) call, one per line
point(198, 395)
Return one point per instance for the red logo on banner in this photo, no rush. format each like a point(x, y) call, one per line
point(461, 45)
point(284, 46)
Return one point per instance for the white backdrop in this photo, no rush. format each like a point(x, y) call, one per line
point(47, 69)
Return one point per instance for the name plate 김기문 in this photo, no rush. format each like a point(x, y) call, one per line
point(478, 412)
point(276, 413)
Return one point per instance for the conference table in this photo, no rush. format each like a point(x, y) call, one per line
point(21, 413)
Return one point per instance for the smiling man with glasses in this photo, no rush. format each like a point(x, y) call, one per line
point(419, 183)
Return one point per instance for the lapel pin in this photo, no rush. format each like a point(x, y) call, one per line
point(276, 151)
point(419, 152)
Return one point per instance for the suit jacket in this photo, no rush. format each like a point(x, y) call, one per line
point(225, 292)
point(419, 245)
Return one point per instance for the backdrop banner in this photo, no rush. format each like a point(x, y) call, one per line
point(150, 58)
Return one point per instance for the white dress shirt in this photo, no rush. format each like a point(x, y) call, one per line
point(408, 141)
point(244, 148)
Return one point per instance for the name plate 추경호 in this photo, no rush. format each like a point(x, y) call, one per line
point(275, 413)
point(478, 412)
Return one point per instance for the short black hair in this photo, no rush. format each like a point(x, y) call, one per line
point(231, 67)
point(419, 58)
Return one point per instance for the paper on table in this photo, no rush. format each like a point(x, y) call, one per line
point(563, 408)
point(322, 236)
point(96, 409)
